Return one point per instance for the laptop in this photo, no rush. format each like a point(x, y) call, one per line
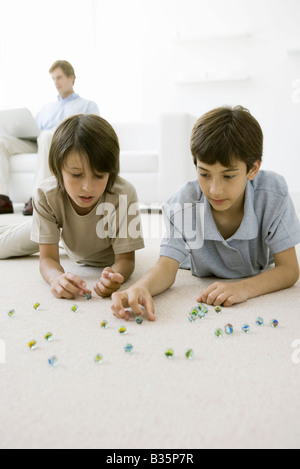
point(19, 123)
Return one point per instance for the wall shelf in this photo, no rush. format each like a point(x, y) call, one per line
point(210, 79)
point(212, 37)
point(294, 49)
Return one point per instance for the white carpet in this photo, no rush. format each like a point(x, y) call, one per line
point(237, 392)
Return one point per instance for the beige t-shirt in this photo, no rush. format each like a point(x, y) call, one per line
point(112, 227)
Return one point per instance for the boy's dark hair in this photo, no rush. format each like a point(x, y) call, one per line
point(93, 138)
point(225, 134)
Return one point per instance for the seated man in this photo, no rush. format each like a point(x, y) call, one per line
point(48, 119)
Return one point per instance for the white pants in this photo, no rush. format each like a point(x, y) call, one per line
point(15, 240)
point(13, 146)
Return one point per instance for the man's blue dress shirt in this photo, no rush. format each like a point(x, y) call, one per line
point(53, 114)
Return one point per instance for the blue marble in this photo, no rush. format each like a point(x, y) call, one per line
point(53, 361)
point(229, 329)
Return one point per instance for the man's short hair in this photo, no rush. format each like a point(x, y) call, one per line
point(226, 133)
point(66, 67)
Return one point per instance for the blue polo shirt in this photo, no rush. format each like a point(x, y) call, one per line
point(54, 113)
point(270, 225)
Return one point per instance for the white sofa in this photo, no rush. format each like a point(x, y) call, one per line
point(155, 158)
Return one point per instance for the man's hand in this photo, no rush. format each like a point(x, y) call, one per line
point(68, 286)
point(109, 283)
point(133, 298)
point(222, 293)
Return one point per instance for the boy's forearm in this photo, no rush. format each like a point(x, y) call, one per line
point(50, 269)
point(157, 280)
point(124, 267)
point(278, 278)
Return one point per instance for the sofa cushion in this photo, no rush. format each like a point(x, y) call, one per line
point(130, 162)
point(137, 136)
point(20, 186)
point(23, 163)
point(139, 162)
point(146, 186)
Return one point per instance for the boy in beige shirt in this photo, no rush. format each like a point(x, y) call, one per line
point(87, 206)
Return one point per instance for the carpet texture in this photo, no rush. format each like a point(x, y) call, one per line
point(237, 392)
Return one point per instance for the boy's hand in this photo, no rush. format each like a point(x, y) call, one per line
point(222, 293)
point(109, 283)
point(133, 298)
point(68, 286)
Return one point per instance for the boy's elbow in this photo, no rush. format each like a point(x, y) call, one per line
point(169, 268)
point(295, 276)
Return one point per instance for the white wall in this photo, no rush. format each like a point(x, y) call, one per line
point(130, 54)
point(35, 33)
point(119, 57)
point(265, 30)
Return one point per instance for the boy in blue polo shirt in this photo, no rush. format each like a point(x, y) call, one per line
point(248, 223)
